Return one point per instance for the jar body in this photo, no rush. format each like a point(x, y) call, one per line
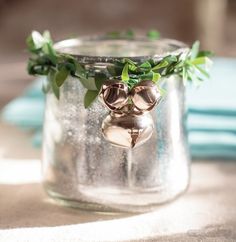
point(83, 170)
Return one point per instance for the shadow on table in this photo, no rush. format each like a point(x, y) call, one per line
point(28, 206)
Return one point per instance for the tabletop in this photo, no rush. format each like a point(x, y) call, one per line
point(205, 213)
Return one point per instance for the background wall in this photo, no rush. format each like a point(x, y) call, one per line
point(211, 21)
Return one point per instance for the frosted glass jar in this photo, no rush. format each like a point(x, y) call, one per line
point(83, 170)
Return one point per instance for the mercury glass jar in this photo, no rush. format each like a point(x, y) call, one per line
point(81, 169)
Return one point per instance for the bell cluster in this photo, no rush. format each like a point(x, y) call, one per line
point(129, 123)
point(117, 97)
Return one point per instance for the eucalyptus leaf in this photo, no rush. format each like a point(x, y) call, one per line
point(89, 98)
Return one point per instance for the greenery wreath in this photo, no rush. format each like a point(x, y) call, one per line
point(192, 66)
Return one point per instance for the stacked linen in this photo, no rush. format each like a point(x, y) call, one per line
point(212, 113)
point(27, 111)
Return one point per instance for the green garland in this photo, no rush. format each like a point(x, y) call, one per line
point(191, 66)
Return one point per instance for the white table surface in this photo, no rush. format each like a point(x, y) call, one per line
point(207, 212)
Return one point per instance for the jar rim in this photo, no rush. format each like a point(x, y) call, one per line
point(170, 47)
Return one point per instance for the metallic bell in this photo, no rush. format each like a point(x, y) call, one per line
point(127, 130)
point(114, 94)
point(145, 95)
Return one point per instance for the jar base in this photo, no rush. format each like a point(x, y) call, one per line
point(112, 208)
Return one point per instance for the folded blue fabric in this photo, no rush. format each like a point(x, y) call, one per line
point(211, 108)
point(211, 123)
point(26, 111)
point(217, 96)
point(213, 144)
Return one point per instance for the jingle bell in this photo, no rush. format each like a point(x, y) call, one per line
point(114, 94)
point(127, 130)
point(145, 95)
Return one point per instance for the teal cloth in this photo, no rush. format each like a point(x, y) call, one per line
point(217, 96)
point(211, 109)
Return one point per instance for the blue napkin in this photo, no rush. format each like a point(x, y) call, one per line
point(218, 94)
point(211, 109)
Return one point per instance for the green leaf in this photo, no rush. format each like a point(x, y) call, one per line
point(204, 72)
point(170, 59)
point(145, 65)
point(37, 39)
point(192, 77)
point(150, 76)
point(129, 34)
point(155, 77)
point(195, 50)
point(45, 85)
point(127, 60)
point(153, 35)
point(113, 34)
point(162, 64)
point(47, 36)
point(30, 43)
point(125, 73)
point(48, 49)
point(89, 97)
point(99, 79)
point(61, 76)
point(80, 71)
point(205, 53)
point(88, 83)
point(184, 76)
point(52, 81)
point(199, 60)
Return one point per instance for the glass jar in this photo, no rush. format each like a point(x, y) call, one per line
point(81, 169)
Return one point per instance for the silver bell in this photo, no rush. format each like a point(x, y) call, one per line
point(127, 130)
point(145, 95)
point(114, 94)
